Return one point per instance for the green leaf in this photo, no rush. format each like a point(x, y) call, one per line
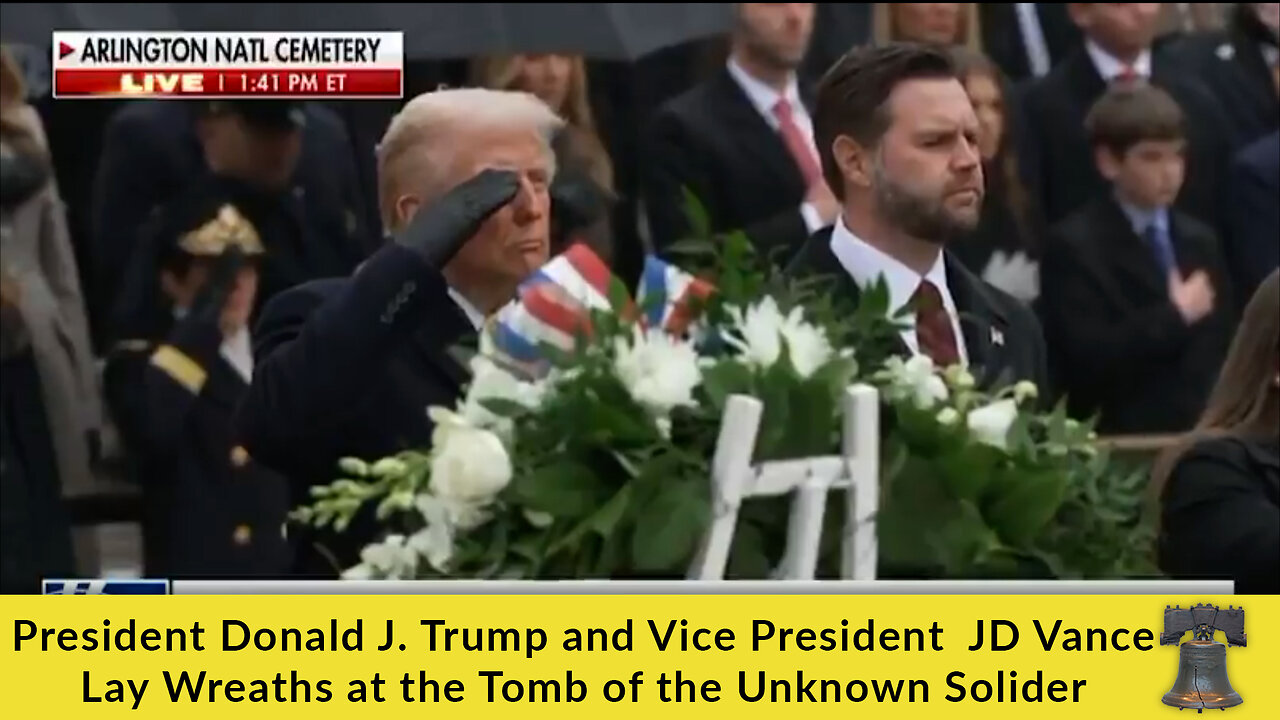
point(669, 528)
point(602, 522)
point(566, 489)
point(725, 378)
point(503, 407)
point(968, 471)
point(1027, 502)
point(619, 296)
point(696, 213)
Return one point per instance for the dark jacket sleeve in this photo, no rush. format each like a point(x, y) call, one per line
point(1217, 520)
point(673, 164)
point(318, 348)
point(1088, 335)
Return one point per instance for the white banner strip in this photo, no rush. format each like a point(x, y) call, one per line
point(241, 50)
point(685, 587)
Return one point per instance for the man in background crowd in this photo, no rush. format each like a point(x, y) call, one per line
point(742, 143)
point(1136, 300)
point(1117, 48)
point(287, 165)
point(1241, 67)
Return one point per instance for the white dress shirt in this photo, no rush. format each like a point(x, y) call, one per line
point(1109, 67)
point(764, 98)
point(865, 263)
point(475, 317)
point(1032, 32)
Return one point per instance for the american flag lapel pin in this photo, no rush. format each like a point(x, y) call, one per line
point(997, 337)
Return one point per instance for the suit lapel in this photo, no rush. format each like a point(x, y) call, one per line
point(750, 131)
point(983, 324)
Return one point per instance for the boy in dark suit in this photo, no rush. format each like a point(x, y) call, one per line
point(1135, 301)
point(211, 510)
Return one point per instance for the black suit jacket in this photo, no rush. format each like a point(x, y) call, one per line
point(1232, 67)
point(1001, 334)
point(1254, 216)
point(1003, 41)
point(1058, 160)
point(1220, 514)
point(714, 142)
point(347, 368)
point(1117, 345)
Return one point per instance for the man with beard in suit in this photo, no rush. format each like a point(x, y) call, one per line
point(742, 142)
point(349, 366)
point(899, 147)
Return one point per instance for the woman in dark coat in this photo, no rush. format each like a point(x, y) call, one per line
point(1220, 496)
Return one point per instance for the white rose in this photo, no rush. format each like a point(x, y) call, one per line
point(990, 424)
point(467, 463)
point(659, 371)
point(763, 328)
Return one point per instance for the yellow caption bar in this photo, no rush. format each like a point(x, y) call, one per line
point(569, 656)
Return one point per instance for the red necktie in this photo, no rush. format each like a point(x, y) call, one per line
point(934, 332)
point(796, 143)
point(1127, 76)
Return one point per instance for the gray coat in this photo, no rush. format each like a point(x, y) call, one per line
point(38, 256)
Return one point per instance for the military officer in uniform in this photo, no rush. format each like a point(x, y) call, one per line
point(211, 510)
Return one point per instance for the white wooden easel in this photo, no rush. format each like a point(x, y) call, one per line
point(856, 471)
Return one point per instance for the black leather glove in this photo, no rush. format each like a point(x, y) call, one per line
point(21, 177)
point(212, 298)
point(439, 230)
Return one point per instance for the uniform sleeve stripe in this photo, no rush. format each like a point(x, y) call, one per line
point(185, 371)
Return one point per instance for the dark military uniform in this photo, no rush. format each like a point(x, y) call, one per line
point(211, 510)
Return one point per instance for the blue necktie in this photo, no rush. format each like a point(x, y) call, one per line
point(1157, 236)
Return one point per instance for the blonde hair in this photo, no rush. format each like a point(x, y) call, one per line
point(884, 29)
point(418, 146)
point(502, 72)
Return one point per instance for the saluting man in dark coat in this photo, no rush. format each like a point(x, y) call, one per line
point(211, 511)
point(348, 366)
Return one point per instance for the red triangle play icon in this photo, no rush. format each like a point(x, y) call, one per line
point(64, 50)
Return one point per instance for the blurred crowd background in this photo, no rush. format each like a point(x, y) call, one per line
point(1131, 151)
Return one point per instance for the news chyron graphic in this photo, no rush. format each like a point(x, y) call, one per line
point(319, 65)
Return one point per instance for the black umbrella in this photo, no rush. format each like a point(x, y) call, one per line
point(605, 31)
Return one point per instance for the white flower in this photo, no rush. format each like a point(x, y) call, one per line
point(1025, 390)
point(763, 329)
point(664, 427)
point(467, 463)
point(435, 540)
point(659, 371)
point(354, 466)
point(389, 467)
point(959, 378)
point(391, 559)
point(990, 424)
point(948, 416)
point(489, 381)
point(917, 379)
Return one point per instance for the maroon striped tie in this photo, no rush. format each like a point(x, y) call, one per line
point(936, 336)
